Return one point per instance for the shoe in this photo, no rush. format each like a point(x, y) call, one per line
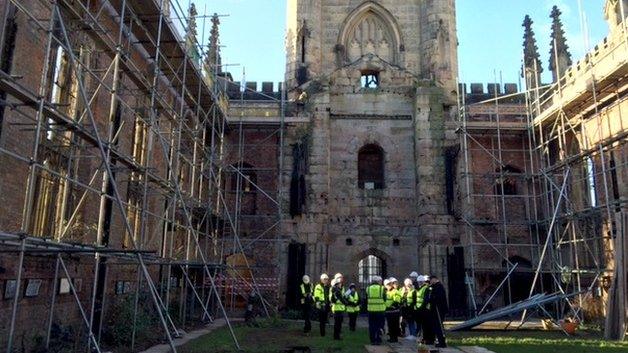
point(410, 338)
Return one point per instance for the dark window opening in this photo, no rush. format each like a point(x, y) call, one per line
point(302, 48)
point(8, 49)
point(370, 79)
point(553, 151)
point(451, 155)
point(248, 178)
point(301, 74)
point(348, 241)
point(298, 192)
point(506, 181)
point(371, 167)
point(396, 242)
point(614, 182)
point(244, 179)
point(8, 45)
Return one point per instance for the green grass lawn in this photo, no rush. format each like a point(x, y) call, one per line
point(274, 336)
point(523, 341)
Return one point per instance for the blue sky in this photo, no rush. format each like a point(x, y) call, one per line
point(489, 32)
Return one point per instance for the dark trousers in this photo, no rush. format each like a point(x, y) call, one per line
point(419, 319)
point(376, 326)
point(393, 325)
point(307, 310)
point(338, 317)
point(353, 318)
point(433, 328)
point(423, 321)
point(322, 320)
point(437, 328)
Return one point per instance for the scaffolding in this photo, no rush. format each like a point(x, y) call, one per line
point(548, 170)
point(123, 102)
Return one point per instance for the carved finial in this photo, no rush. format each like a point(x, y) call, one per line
point(213, 59)
point(191, 32)
point(532, 67)
point(560, 58)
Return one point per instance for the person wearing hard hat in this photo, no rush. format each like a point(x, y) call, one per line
point(306, 303)
point(408, 303)
point(353, 306)
point(420, 308)
point(376, 307)
point(338, 306)
point(414, 277)
point(321, 300)
point(436, 311)
point(393, 304)
point(341, 280)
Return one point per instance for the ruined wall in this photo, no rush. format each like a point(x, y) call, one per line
point(411, 47)
point(422, 37)
point(80, 161)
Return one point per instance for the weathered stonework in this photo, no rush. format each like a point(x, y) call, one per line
point(411, 45)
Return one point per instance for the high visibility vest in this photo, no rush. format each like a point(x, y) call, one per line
point(354, 303)
point(335, 297)
point(306, 290)
point(375, 295)
point(319, 293)
point(393, 299)
point(408, 299)
point(420, 297)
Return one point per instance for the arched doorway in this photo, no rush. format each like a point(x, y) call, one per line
point(369, 267)
point(520, 280)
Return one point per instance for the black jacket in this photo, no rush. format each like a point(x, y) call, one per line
point(438, 299)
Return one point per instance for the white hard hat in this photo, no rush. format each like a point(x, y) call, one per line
point(386, 281)
point(423, 278)
point(407, 282)
point(338, 275)
point(306, 279)
point(376, 279)
point(414, 274)
point(392, 280)
point(324, 276)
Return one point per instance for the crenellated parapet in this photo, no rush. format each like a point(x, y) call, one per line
point(267, 91)
point(479, 92)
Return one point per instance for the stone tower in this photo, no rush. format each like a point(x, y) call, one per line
point(377, 83)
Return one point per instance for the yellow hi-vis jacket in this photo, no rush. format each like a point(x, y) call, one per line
point(376, 298)
point(337, 300)
point(319, 296)
point(393, 299)
point(353, 305)
point(421, 302)
point(408, 298)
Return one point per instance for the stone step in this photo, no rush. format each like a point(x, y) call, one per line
point(378, 349)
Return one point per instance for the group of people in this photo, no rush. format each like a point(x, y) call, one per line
point(415, 309)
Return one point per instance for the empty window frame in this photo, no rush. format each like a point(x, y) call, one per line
point(371, 167)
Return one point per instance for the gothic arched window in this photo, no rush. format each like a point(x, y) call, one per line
point(371, 167)
point(370, 30)
point(368, 268)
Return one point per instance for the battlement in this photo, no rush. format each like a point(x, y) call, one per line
point(266, 91)
point(478, 93)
